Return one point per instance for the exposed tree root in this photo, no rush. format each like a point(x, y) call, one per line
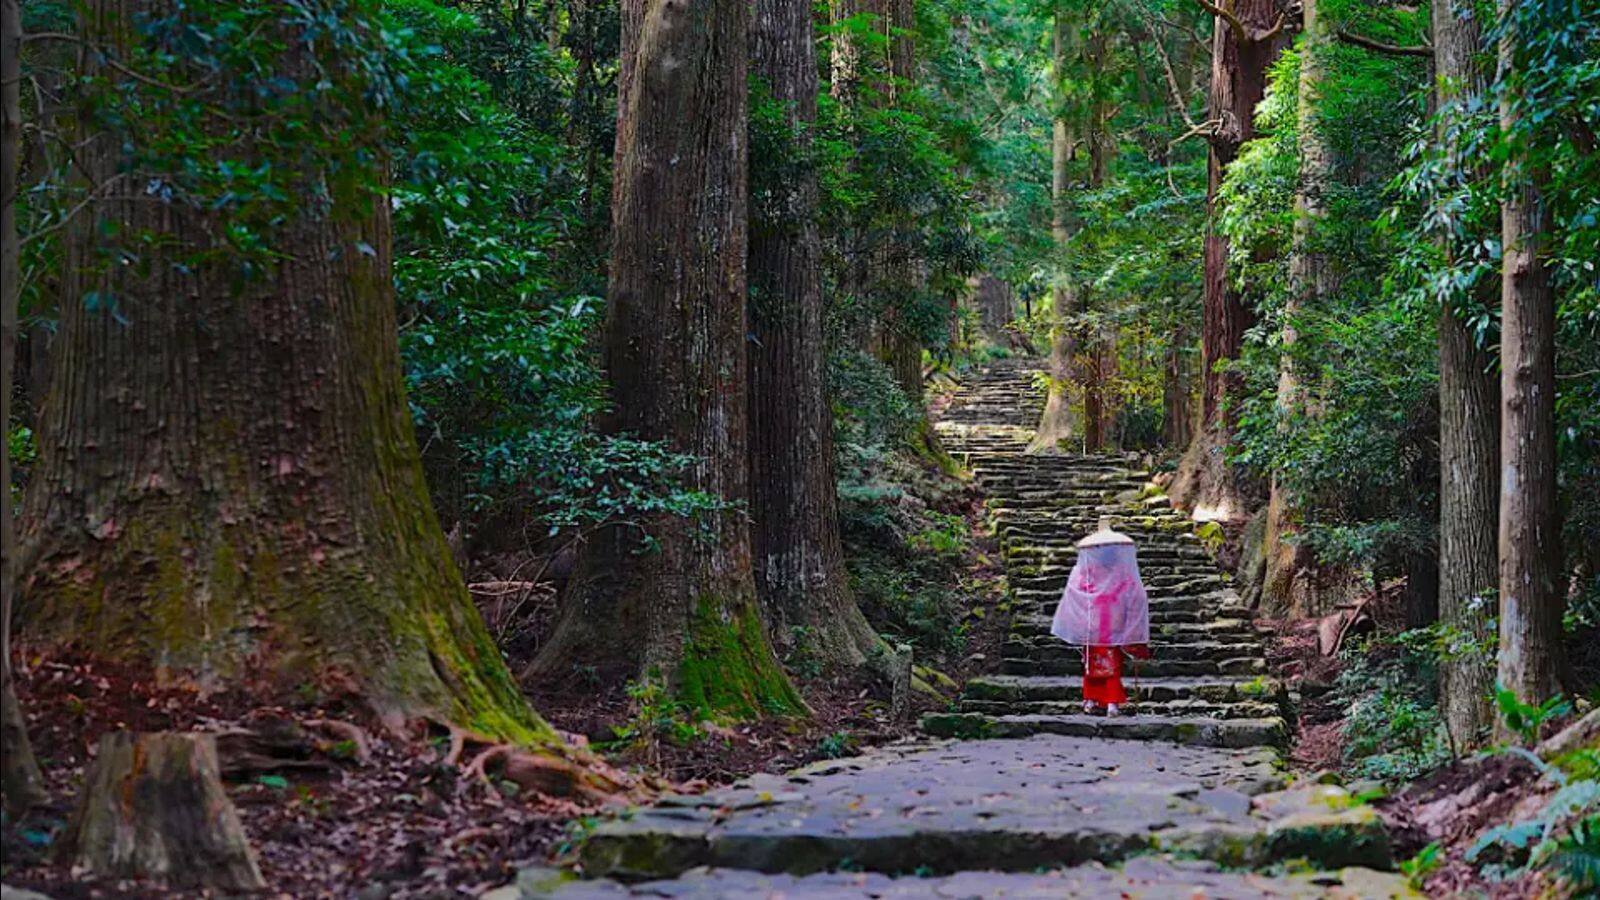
point(349, 732)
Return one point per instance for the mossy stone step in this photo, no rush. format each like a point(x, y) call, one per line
point(1046, 651)
point(1138, 704)
point(1025, 688)
point(1269, 731)
point(1244, 666)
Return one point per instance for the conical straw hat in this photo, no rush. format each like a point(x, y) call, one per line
point(1104, 536)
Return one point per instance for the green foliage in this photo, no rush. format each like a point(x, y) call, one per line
point(1425, 863)
point(838, 745)
point(1392, 728)
point(1360, 451)
point(657, 716)
point(491, 272)
point(1526, 719)
point(1576, 857)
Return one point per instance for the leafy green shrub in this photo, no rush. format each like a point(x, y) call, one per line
point(1392, 730)
point(493, 276)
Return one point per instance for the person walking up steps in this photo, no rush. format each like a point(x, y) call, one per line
point(1104, 609)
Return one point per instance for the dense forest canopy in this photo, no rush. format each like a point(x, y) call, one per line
point(641, 314)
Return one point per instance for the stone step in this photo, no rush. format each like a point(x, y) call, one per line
point(1138, 704)
point(1049, 649)
point(1035, 688)
point(1038, 625)
point(1198, 731)
point(1244, 666)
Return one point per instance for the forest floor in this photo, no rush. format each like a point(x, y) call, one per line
point(402, 823)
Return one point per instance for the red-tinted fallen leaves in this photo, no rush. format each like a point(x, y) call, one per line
point(400, 825)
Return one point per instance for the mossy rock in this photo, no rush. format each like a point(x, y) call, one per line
point(958, 725)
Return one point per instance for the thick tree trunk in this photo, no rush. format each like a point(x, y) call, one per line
point(1055, 423)
point(684, 609)
point(153, 806)
point(228, 483)
point(20, 780)
point(1240, 57)
point(799, 562)
point(996, 309)
point(1469, 449)
point(1531, 596)
point(1291, 587)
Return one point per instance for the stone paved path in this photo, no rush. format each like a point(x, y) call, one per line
point(1207, 683)
point(1033, 799)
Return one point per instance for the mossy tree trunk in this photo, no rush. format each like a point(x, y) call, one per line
point(683, 609)
point(1243, 47)
point(1531, 590)
point(798, 558)
point(20, 779)
point(228, 485)
point(1469, 435)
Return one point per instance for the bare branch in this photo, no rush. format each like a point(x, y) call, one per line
point(1263, 36)
point(1172, 84)
point(1202, 42)
point(1240, 32)
point(1377, 46)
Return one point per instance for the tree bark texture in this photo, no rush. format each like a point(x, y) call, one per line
point(20, 779)
point(1056, 422)
point(228, 484)
point(1469, 448)
point(996, 305)
point(1531, 590)
point(798, 558)
point(1098, 364)
point(153, 806)
point(1293, 586)
point(1177, 424)
point(1240, 58)
point(683, 610)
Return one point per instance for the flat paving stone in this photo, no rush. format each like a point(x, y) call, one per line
point(1155, 878)
point(1013, 805)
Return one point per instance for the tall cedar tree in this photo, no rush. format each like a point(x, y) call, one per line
point(20, 779)
point(1055, 422)
point(228, 484)
point(1293, 585)
point(799, 561)
point(1247, 37)
point(1530, 526)
point(1469, 430)
point(682, 609)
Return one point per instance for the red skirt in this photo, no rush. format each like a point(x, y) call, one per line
point(1102, 673)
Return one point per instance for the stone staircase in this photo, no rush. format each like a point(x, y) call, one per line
point(1207, 683)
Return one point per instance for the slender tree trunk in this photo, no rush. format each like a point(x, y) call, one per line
point(1531, 597)
point(1099, 343)
point(1240, 58)
point(20, 779)
point(1055, 423)
point(684, 609)
point(903, 343)
point(1177, 424)
point(1292, 584)
point(799, 562)
point(1469, 435)
point(228, 482)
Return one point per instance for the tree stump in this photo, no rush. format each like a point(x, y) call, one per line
point(153, 806)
